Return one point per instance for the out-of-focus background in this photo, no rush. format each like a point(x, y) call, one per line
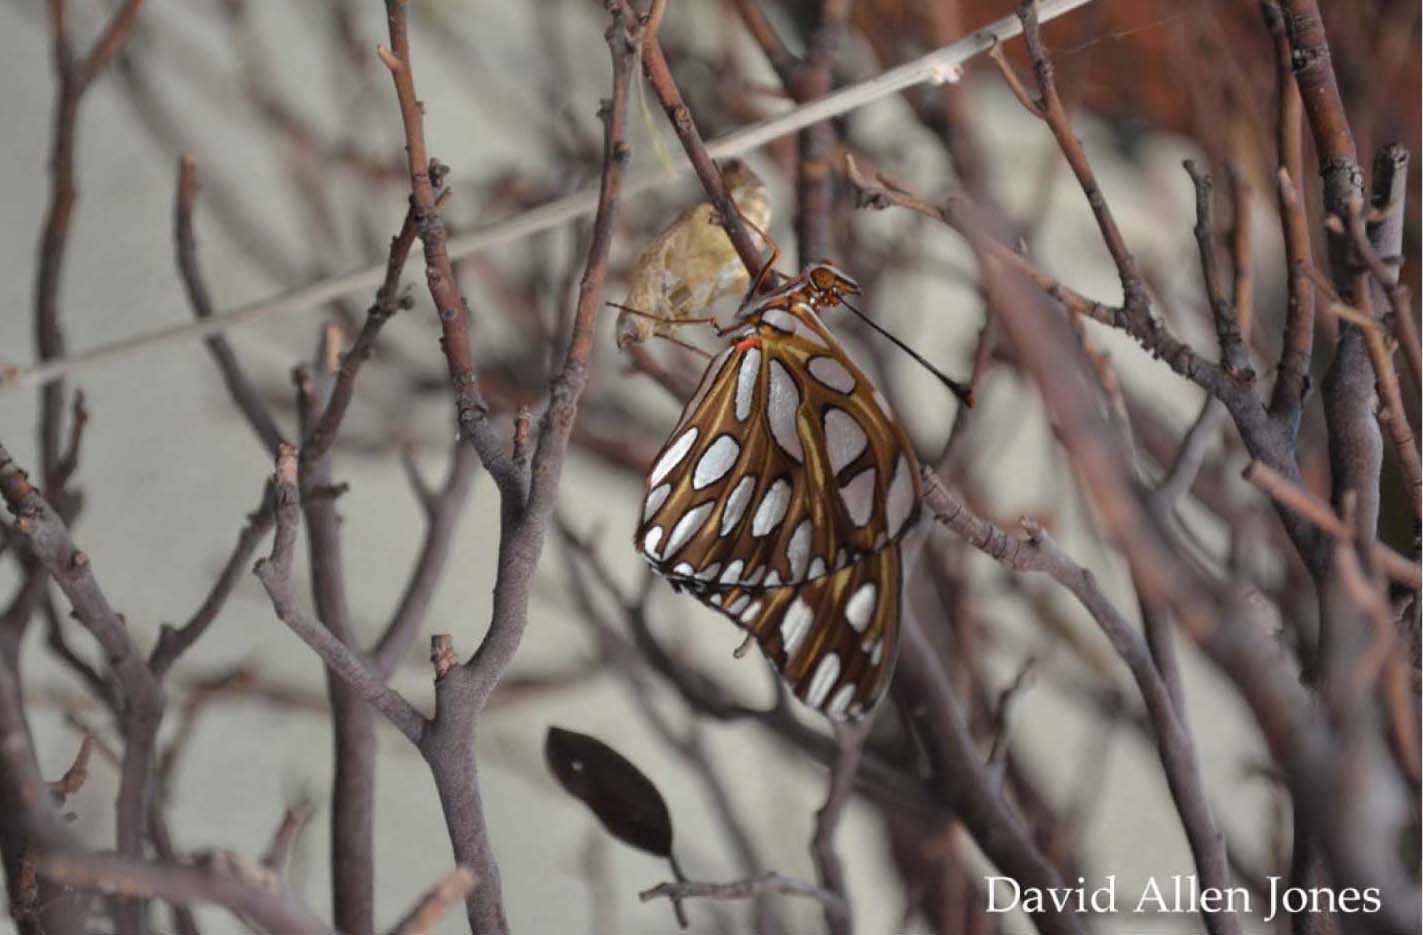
point(292, 123)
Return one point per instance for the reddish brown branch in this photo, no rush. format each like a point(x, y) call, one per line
point(1288, 394)
point(816, 144)
point(1390, 182)
point(426, 177)
point(659, 75)
point(426, 913)
point(1316, 511)
point(1234, 356)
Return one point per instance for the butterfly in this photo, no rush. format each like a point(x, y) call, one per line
point(783, 496)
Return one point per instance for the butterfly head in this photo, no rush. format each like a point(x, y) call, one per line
point(829, 282)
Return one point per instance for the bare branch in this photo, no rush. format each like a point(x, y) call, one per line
point(933, 67)
point(274, 572)
point(744, 889)
point(243, 394)
point(1318, 512)
point(426, 914)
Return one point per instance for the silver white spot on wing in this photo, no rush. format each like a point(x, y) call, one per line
point(708, 573)
point(859, 496)
point(817, 568)
point(754, 579)
point(773, 579)
point(810, 334)
point(774, 503)
point(746, 379)
point(838, 708)
point(687, 527)
point(798, 549)
point(736, 503)
point(738, 605)
point(651, 541)
point(684, 568)
point(832, 373)
point(781, 407)
point(732, 575)
point(844, 439)
point(826, 672)
point(795, 624)
point(899, 502)
point(749, 615)
point(715, 461)
point(779, 319)
point(655, 501)
point(672, 456)
point(861, 606)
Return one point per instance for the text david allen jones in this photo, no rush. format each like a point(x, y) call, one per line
point(1178, 894)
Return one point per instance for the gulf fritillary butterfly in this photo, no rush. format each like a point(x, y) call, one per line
point(782, 498)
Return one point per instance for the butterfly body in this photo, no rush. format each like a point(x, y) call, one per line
point(783, 494)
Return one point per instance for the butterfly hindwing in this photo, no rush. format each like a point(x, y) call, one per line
point(834, 639)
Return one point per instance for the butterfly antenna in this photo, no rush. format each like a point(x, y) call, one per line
point(963, 391)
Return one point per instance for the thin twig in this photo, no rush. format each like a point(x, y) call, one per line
point(849, 743)
point(743, 889)
point(1287, 396)
point(323, 433)
point(173, 642)
point(1317, 511)
point(1233, 353)
point(278, 853)
point(243, 394)
point(659, 75)
point(931, 68)
point(426, 914)
point(142, 696)
point(274, 572)
point(221, 877)
point(1039, 552)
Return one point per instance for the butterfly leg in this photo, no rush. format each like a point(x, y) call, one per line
point(760, 280)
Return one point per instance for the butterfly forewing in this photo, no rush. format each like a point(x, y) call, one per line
point(784, 467)
point(834, 639)
point(784, 496)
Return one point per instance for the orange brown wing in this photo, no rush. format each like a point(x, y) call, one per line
point(737, 497)
point(835, 639)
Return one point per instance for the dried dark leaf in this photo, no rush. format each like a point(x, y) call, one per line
point(625, 801)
